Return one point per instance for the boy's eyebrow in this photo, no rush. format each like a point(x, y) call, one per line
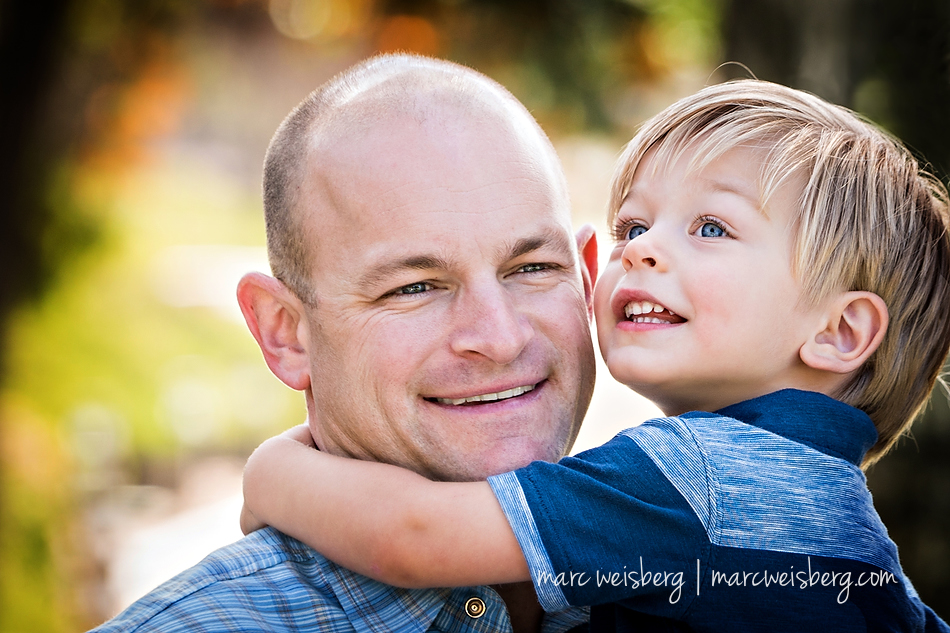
point(736, 188)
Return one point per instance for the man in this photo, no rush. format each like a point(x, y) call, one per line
point(429, 300)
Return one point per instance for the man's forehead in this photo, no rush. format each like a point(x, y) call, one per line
point(378, 150)
point(406, 180)
point(398, 161)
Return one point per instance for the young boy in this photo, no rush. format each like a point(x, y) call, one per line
point(779, 287)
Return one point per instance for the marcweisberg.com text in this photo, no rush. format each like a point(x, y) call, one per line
point(640, 577)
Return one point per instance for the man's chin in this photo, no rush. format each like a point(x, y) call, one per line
point(505, 456)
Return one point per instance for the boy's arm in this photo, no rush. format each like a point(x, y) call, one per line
point(383, 521)
point(300, 433)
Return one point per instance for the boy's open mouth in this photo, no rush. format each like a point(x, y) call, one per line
point(649, 312)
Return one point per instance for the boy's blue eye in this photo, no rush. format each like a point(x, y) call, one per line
point(711, 229)
point(636, 231)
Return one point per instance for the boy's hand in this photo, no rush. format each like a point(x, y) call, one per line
point(249, 522)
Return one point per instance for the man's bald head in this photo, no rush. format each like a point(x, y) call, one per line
point(354, 104)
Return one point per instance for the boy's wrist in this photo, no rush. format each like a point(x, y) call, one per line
point(300, 433)
point(249, 522)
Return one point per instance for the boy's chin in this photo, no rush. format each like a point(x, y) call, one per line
point(672, 401)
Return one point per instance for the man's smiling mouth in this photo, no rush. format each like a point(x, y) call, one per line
point(649, 312)
point(486, 397)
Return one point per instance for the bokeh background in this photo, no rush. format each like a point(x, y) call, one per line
point(131, 138)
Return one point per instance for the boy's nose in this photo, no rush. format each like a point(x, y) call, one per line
point(638, 254)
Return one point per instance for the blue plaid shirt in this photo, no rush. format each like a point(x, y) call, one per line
point(271, 582)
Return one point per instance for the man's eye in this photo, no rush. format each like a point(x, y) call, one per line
point(532, 268)
point(414, 289)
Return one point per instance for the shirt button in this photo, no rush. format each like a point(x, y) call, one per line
point(474, 607)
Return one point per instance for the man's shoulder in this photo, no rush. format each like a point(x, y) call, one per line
point(271, 582)
point(261, 582)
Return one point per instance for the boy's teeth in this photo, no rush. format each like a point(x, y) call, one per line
point(637, 308)
point(488, 397)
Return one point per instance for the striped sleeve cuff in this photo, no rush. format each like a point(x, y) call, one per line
point(513, 503)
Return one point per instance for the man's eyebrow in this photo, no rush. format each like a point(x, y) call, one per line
point(415, 262)
point(549, 237)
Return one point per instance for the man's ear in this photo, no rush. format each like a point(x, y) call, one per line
point(275, 317)
point(587, 249)
point(855, 327)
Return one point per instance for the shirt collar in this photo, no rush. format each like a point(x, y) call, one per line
point(810, 418)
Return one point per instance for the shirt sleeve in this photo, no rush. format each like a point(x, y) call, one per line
point(605, 526)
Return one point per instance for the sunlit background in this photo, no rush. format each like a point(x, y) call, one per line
point(132, 137)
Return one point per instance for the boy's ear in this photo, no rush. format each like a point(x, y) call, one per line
point(275, 317)
point(587, 249)
point(855, 327)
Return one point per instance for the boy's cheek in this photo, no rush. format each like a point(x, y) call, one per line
point(604, 324)
point(603, 314)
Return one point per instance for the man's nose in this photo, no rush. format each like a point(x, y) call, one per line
point(488, 323)
point(643, 251)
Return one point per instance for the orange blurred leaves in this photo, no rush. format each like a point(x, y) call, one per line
point(410, 33)
point(123, 120)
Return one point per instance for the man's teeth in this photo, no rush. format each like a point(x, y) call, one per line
point(640, 311)
point(488, 397)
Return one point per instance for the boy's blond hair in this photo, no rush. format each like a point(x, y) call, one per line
point(869, 219)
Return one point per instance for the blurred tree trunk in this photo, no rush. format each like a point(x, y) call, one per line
point(31, 36)
point(891, 61)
